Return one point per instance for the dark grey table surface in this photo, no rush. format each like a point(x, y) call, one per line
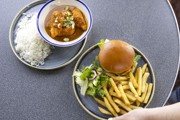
point(30, 94)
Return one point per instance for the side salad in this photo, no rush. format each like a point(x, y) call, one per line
point(91, 79)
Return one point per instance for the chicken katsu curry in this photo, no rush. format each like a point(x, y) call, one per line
point(65, 23)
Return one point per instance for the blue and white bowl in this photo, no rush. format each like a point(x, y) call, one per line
point(52, 4)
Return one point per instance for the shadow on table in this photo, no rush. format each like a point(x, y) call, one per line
point(176, 6)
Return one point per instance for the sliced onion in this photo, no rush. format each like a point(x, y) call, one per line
point(95, 75)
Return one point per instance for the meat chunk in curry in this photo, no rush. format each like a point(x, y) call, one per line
point(61, 23)
point(65, 22)
point(79, 19)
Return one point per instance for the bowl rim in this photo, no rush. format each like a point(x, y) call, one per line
point(66, 44)
point(74, 83)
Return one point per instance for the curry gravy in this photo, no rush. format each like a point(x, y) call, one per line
point(78, 31)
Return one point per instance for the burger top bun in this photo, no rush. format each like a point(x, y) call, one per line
point(116, 56)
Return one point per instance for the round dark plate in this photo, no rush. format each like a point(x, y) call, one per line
point(87, 102)
point(60, 56)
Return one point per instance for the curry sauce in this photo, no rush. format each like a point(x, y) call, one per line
point(65, 23)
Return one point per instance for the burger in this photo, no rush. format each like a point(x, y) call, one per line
point(116, 56)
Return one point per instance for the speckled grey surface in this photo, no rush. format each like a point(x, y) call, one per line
point(30, 94)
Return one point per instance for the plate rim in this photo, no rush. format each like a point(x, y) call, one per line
point(74, 83)
point(15, 19)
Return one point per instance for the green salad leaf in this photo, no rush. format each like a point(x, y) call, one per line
point(88, 85)
point(91, 91)
point(101, 43)
point(95, 90)
point(84, 87)
point(101, 93)
point(86, 72)
point(104, 80)
point(95, 62)
point(82, 83)
point(77, 74)
point(137, 58)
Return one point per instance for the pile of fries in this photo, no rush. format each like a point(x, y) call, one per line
point(127, 91)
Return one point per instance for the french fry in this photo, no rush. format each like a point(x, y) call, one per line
point(133, 89)
point(113, 94)
point(99, 101)
point(134, 67)
point(124, 97)
point(130, 97)
point(148, 92)
point(122, 111)
point(132, 102)
point(136, 76)
point(121, 104)
point(126, 72)
point(129, 92)
point(111, 90)
point(115, 87)
point(110, 100)
point(144, 68)
point(145, 92)
point(119, 78)
point(132, 79)
point(126, 87)
point(139, 99)
point(138, 103)
point(124, 82)
point(144, 80)
point(139, 79)
point(110, 74)
point(102, 110)
point(134, 107)
point(109, 107)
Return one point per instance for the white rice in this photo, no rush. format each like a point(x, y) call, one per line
point(29, 44)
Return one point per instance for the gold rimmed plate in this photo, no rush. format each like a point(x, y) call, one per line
point(87, 102)
point(61, 56)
